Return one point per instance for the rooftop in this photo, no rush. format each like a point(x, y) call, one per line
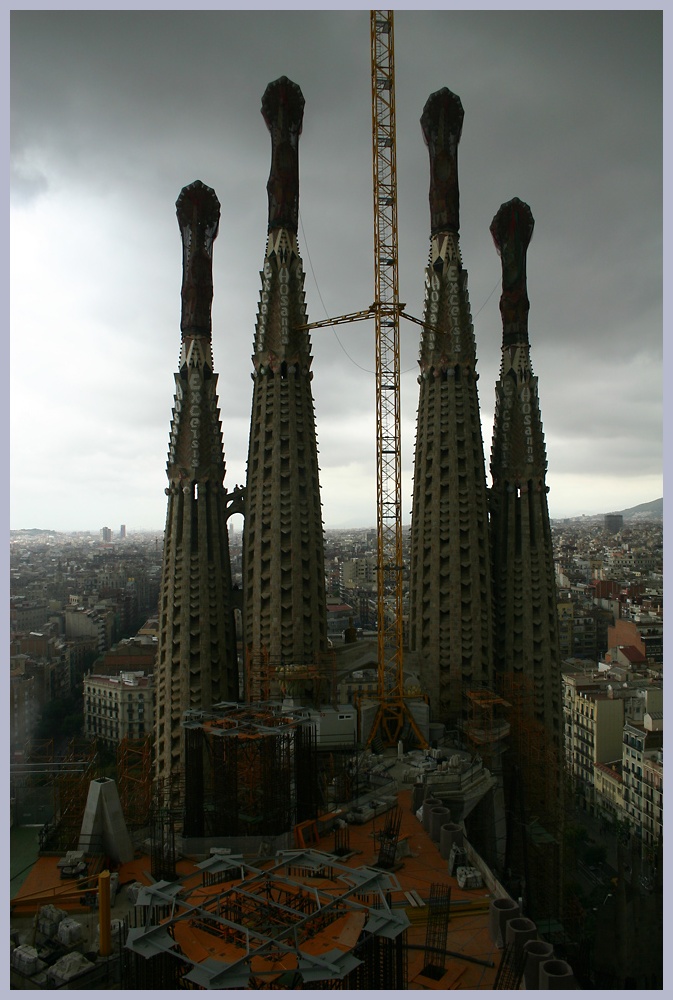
point(470, 960)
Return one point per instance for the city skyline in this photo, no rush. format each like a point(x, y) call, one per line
point(235, 529)
point(109, 122)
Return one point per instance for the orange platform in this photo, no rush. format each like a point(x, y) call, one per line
point(475, 958)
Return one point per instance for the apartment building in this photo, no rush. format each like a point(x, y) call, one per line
point(614, 750)
point(653, 797)
point(565, 628)
point(118, 706)
point(644, 631)
point(23, 716)
point(583, 629)
point(339, 618)
point(26, 615)
point(609, 791)
point(593, 722)
point(90, 624)
point(643, 751)
point(359, 573)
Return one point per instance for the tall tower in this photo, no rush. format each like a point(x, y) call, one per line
point(450, 590)
point(524, 590)
point(196, 663)
point(285, 615)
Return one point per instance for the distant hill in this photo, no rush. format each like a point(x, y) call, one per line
point(33, 531)
point(654, 508)
point(651, 511)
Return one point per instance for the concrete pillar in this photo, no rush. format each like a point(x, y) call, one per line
point(499, 912)
point(429, 803)
point(449, 834)
point(438, 816)
point(556, 975)
point(518, 932)
point(536, 952)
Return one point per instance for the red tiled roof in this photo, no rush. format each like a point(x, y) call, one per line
point(633, 654)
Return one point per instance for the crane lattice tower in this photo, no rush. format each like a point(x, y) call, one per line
point(450, 622)
point(285, 615)
point(196, 656)
point(524, 590)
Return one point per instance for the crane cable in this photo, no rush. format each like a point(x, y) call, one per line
point(367, 371)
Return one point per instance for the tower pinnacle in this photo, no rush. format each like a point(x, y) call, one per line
point(518, 443)
point(283, 111)
point(442, 124)
point(512, 229)
point(198, 212)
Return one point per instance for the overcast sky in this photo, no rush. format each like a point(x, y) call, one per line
point(112, 113)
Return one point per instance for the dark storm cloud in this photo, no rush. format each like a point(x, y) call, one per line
point(114, 112)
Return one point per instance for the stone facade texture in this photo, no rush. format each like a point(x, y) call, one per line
point(450, 620)
point(524, 588)
point(284, 601)
point(196, 661)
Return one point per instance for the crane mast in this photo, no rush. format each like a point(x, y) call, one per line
point(394, 716)
point(392, 711)
point(386, 318)
point(387, 333)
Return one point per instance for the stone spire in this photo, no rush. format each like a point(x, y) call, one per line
point(450, 589)
point(283, 548)
point(196, 658)
point(283, 112)
point(442, 124)
point(524, 593)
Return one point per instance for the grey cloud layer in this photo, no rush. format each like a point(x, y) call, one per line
point(113, 112)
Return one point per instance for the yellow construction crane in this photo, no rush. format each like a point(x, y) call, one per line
point(393, 713)
point(387, 322)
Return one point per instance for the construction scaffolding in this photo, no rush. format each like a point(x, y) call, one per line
point(511, 968)
point(258, 676)
point(313, 684)
point(437, 929)
point(388, 839)
point(134, 780)
point(69, 775)
point(487, 728)
point(340, 775)
point(31, 784)
point(39, 751)
point(250, 771)
point(294, 922)
point(535, 792)
point(163, 852)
